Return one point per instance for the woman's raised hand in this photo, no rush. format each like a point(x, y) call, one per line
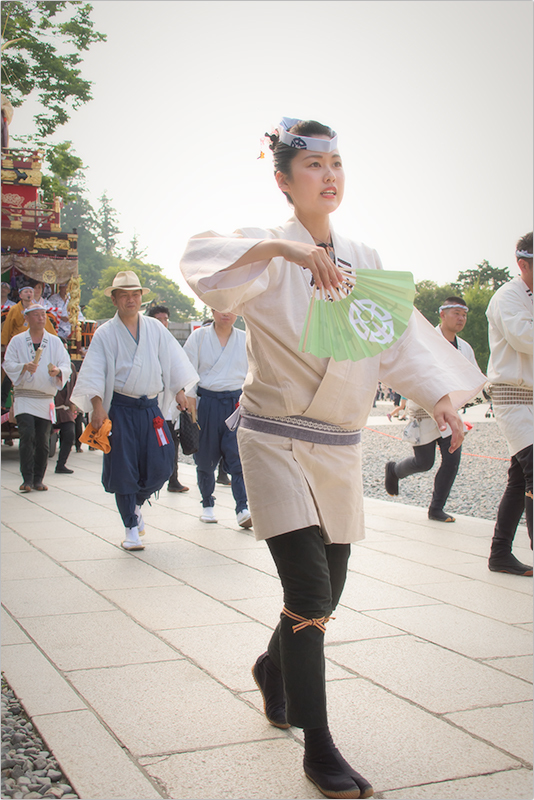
point(314, 258)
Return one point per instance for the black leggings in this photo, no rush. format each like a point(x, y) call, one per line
point(423, 460)
point(313, 576)
point(517, 498)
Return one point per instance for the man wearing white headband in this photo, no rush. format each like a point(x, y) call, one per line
point(39, 366)
point(423, 432)
point(509, 316)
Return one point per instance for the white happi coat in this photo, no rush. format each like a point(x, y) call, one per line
point(428, 430)
point(115, 362)
point(220, 369)
point(34, 394)
point(510, 317)
point(290, 483)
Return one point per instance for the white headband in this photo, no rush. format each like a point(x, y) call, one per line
point(522, 254)
point(34, 307)
point(453, 305)
point(304, 142)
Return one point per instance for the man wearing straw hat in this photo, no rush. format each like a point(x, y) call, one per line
point(38, 365)
point(131, 359)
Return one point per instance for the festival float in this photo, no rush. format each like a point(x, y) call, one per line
point(34, 247)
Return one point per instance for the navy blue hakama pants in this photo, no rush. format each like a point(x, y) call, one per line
point(216, 441)
point(138, 464)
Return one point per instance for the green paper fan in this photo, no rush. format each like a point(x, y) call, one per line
point(364, 322)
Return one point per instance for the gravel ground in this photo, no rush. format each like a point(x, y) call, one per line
point(29, 770)
point(480, 482)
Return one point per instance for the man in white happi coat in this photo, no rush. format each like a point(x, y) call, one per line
point(218, 353)
point(131, 359)
point(424, 433)
point(38, 365)
point(509, 316)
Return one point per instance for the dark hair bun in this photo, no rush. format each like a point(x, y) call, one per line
point(274, 138)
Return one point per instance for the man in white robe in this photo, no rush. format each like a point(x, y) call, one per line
point(218, 353)
point(423, 431)
point(38, 365)
point(130, 361)
point(510, 317)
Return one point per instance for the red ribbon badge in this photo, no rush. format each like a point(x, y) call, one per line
point(158, 423)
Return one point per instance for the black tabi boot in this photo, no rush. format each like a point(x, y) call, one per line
point(269, 681)
point(502, 560)
point(327, 769)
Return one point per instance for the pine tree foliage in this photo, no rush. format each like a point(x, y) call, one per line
point(483, 276)
point(134, 251)
point(46, 39)
point(108, 228)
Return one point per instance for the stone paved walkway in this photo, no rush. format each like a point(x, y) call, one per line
point(135, 668)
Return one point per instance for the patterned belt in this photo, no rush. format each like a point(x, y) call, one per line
point(33, 393)
point(303, 428)
point(421, 414)
point(503, 394)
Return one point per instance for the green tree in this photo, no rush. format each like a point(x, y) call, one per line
point(135, 253)
point(107, 226)
point(46, 39)
point(79, 215)
point(162, 290)
point(476, 329)
point(429, 296)
point(483, 276)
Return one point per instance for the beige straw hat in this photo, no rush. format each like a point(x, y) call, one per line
point(127, 281)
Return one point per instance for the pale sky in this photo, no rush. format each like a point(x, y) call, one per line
point(431, 100)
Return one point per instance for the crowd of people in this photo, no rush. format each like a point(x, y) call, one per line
point(286, 424)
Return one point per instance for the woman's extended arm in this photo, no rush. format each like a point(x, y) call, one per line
point(307, 256)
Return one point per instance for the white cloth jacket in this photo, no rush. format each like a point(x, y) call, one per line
point(510, 328)
point(20, 351)
point(291, 483)
point(56, 301)
point(428, 430)
point(220, 369)
point(115, 362)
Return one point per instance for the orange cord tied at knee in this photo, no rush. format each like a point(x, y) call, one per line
point(304, 622)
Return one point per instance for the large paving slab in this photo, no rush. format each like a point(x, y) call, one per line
point(140, 663)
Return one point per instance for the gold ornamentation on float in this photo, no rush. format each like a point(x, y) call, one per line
point(51, 244)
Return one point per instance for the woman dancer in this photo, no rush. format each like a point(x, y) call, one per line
point(301, 420)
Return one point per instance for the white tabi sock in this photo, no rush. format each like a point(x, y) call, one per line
point(131, 535)
point(140, 520)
